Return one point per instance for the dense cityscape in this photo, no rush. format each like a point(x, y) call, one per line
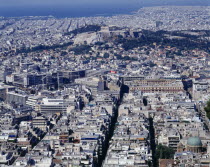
point(120, 91)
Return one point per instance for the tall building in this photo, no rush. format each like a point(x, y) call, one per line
point(54, 106)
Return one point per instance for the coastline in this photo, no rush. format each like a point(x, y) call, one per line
point(78, 11)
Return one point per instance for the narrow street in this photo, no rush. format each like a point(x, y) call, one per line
point(152, 142)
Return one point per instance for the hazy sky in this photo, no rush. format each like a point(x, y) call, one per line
point(98, 2)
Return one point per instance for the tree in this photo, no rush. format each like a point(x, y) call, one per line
point(81, 49)
point(145, 101)
point(164, 152)
point(106, 55)
point(118, 56)
point(207, 109)
point(151, 64)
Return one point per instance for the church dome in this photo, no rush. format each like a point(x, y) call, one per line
point(194, 142)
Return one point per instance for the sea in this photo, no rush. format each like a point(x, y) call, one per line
point(89, 10)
